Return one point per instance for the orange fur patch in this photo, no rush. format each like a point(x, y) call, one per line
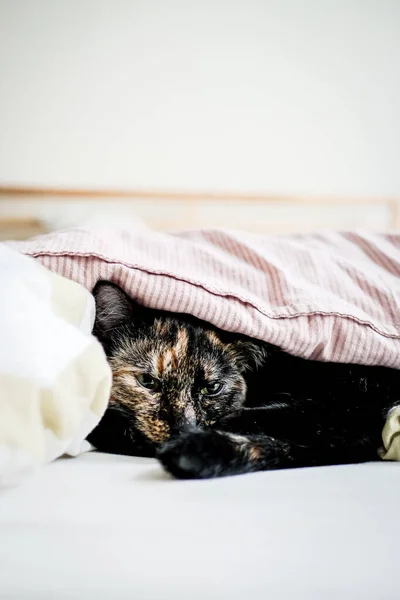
point(254, 453)
point(213, 337)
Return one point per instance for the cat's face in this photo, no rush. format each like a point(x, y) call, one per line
point(169, 373)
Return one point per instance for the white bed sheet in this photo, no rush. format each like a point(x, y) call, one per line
point(108, 527)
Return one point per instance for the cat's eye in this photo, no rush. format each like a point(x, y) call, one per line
point(211, 389)
point(148, 382)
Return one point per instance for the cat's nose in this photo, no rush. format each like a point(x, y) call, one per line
point(180, 425)
point(179, 415)
point(179, 420)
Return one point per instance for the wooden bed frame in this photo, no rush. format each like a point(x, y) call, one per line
point(27, 211)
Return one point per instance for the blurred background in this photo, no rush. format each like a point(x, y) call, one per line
point(268, 115)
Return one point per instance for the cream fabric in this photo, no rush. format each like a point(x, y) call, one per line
point(54, 377)
point(391, 436)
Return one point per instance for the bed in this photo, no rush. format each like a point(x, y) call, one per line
point(102, 526)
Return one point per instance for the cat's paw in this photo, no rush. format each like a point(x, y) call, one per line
point(199, 455)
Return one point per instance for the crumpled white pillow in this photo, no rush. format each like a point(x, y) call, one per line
point(54, 377)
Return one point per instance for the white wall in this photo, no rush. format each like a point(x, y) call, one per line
point(270, 96)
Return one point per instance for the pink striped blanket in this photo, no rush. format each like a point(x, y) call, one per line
point(332, 296)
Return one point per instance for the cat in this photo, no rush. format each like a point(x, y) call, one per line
point(208, 403)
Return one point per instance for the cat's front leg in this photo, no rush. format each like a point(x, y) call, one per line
point(250, 440)
point(201, 454)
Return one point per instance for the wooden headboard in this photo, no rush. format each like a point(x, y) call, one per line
point(27, 211)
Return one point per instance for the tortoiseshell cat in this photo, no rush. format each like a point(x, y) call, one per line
point(208, 403)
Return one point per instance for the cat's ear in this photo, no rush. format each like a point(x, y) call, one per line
point(249, 355)
point(113, 306)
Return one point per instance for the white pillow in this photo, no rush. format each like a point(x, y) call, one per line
point(54, 377)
